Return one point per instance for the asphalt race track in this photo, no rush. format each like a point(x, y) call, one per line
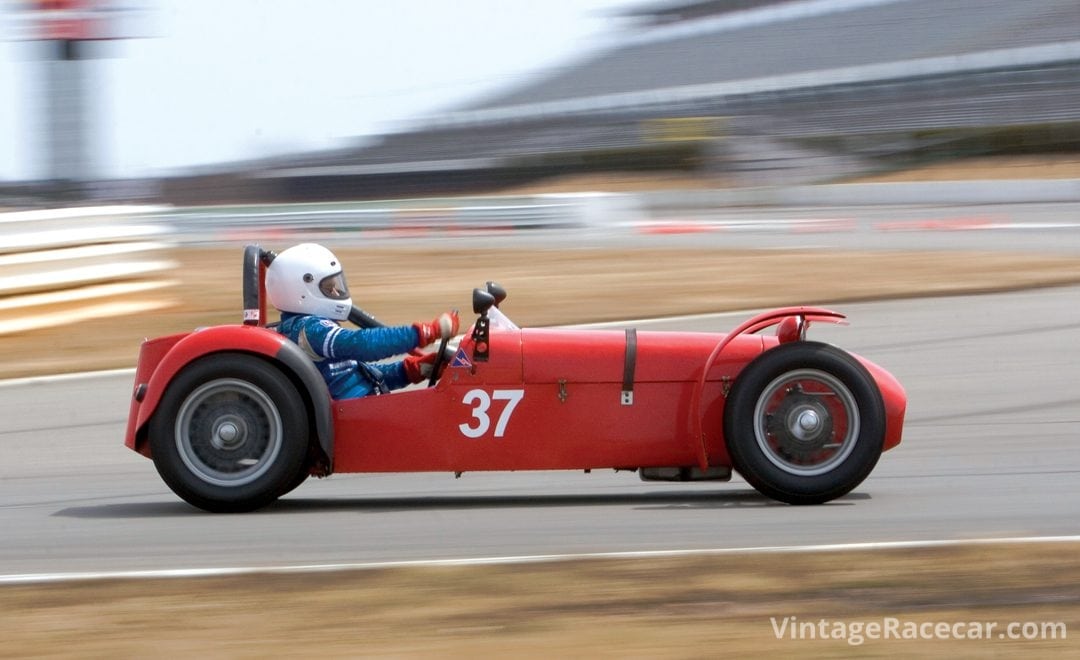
point(990, 451)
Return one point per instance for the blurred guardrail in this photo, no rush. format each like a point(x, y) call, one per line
point(870, 194)
point(64, 265)
point(57, 265)
point(598, 211)
point(389, 218)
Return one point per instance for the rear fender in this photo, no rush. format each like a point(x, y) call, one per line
point(793, 322)
point(242, 339)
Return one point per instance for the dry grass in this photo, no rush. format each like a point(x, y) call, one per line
point(1063, 166)
point(658, 608)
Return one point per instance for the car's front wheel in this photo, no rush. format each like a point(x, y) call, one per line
point(804, 423)
point(230, 433)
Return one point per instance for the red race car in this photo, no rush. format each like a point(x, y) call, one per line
point(236, 416)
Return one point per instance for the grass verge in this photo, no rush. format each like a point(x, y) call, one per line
point(686, 607)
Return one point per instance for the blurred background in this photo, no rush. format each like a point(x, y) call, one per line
point(201, 102)
point(717, 153)
point(131, 127)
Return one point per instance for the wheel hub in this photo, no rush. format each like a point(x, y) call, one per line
point(801, 425)
point(806, 425)
point(229, 433)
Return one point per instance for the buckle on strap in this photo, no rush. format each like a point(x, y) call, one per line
point(374, 376)
point(629, 361)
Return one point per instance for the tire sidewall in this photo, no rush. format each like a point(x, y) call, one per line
point(278, 476)
point(749, 459)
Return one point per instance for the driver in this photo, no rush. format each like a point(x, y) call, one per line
point(306, 284)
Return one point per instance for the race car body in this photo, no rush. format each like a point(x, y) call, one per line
point(236, 416)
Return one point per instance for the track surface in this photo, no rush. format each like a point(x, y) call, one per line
point(990, 451)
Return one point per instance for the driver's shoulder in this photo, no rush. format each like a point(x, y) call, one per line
point(307, 322)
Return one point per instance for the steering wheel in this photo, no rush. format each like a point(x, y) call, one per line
point(440, 359)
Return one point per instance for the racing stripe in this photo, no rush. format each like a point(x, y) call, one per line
point(328, 342)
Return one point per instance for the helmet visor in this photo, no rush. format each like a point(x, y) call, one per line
point(334, 287)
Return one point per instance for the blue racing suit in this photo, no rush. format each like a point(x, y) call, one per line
point(342, 354)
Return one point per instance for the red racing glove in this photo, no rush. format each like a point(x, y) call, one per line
point(444, 327)
point(418, 367)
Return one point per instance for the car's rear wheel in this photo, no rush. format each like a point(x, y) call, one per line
point(298, 479)
point(804, 423)
point(230, 433)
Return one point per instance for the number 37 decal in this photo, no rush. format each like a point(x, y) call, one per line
point(480, 401)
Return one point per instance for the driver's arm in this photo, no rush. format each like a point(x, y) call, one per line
point(412, 369)
point(330, 340)
point(383, 342)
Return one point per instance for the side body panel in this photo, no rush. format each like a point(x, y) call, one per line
point(547, 399)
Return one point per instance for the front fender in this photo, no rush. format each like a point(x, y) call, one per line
point(787, 332)
point(150, 385)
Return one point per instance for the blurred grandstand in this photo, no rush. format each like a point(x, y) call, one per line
point(744, 92)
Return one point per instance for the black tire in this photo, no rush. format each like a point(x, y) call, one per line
point(298, 479)
point(784, 413)
point(230, 433)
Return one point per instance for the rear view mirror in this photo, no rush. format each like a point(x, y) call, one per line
point(482, 301)
point(497, 292)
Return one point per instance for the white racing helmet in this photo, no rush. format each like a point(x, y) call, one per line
point(307, 279)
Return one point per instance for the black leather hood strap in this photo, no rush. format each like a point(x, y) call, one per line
point(627, 397)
